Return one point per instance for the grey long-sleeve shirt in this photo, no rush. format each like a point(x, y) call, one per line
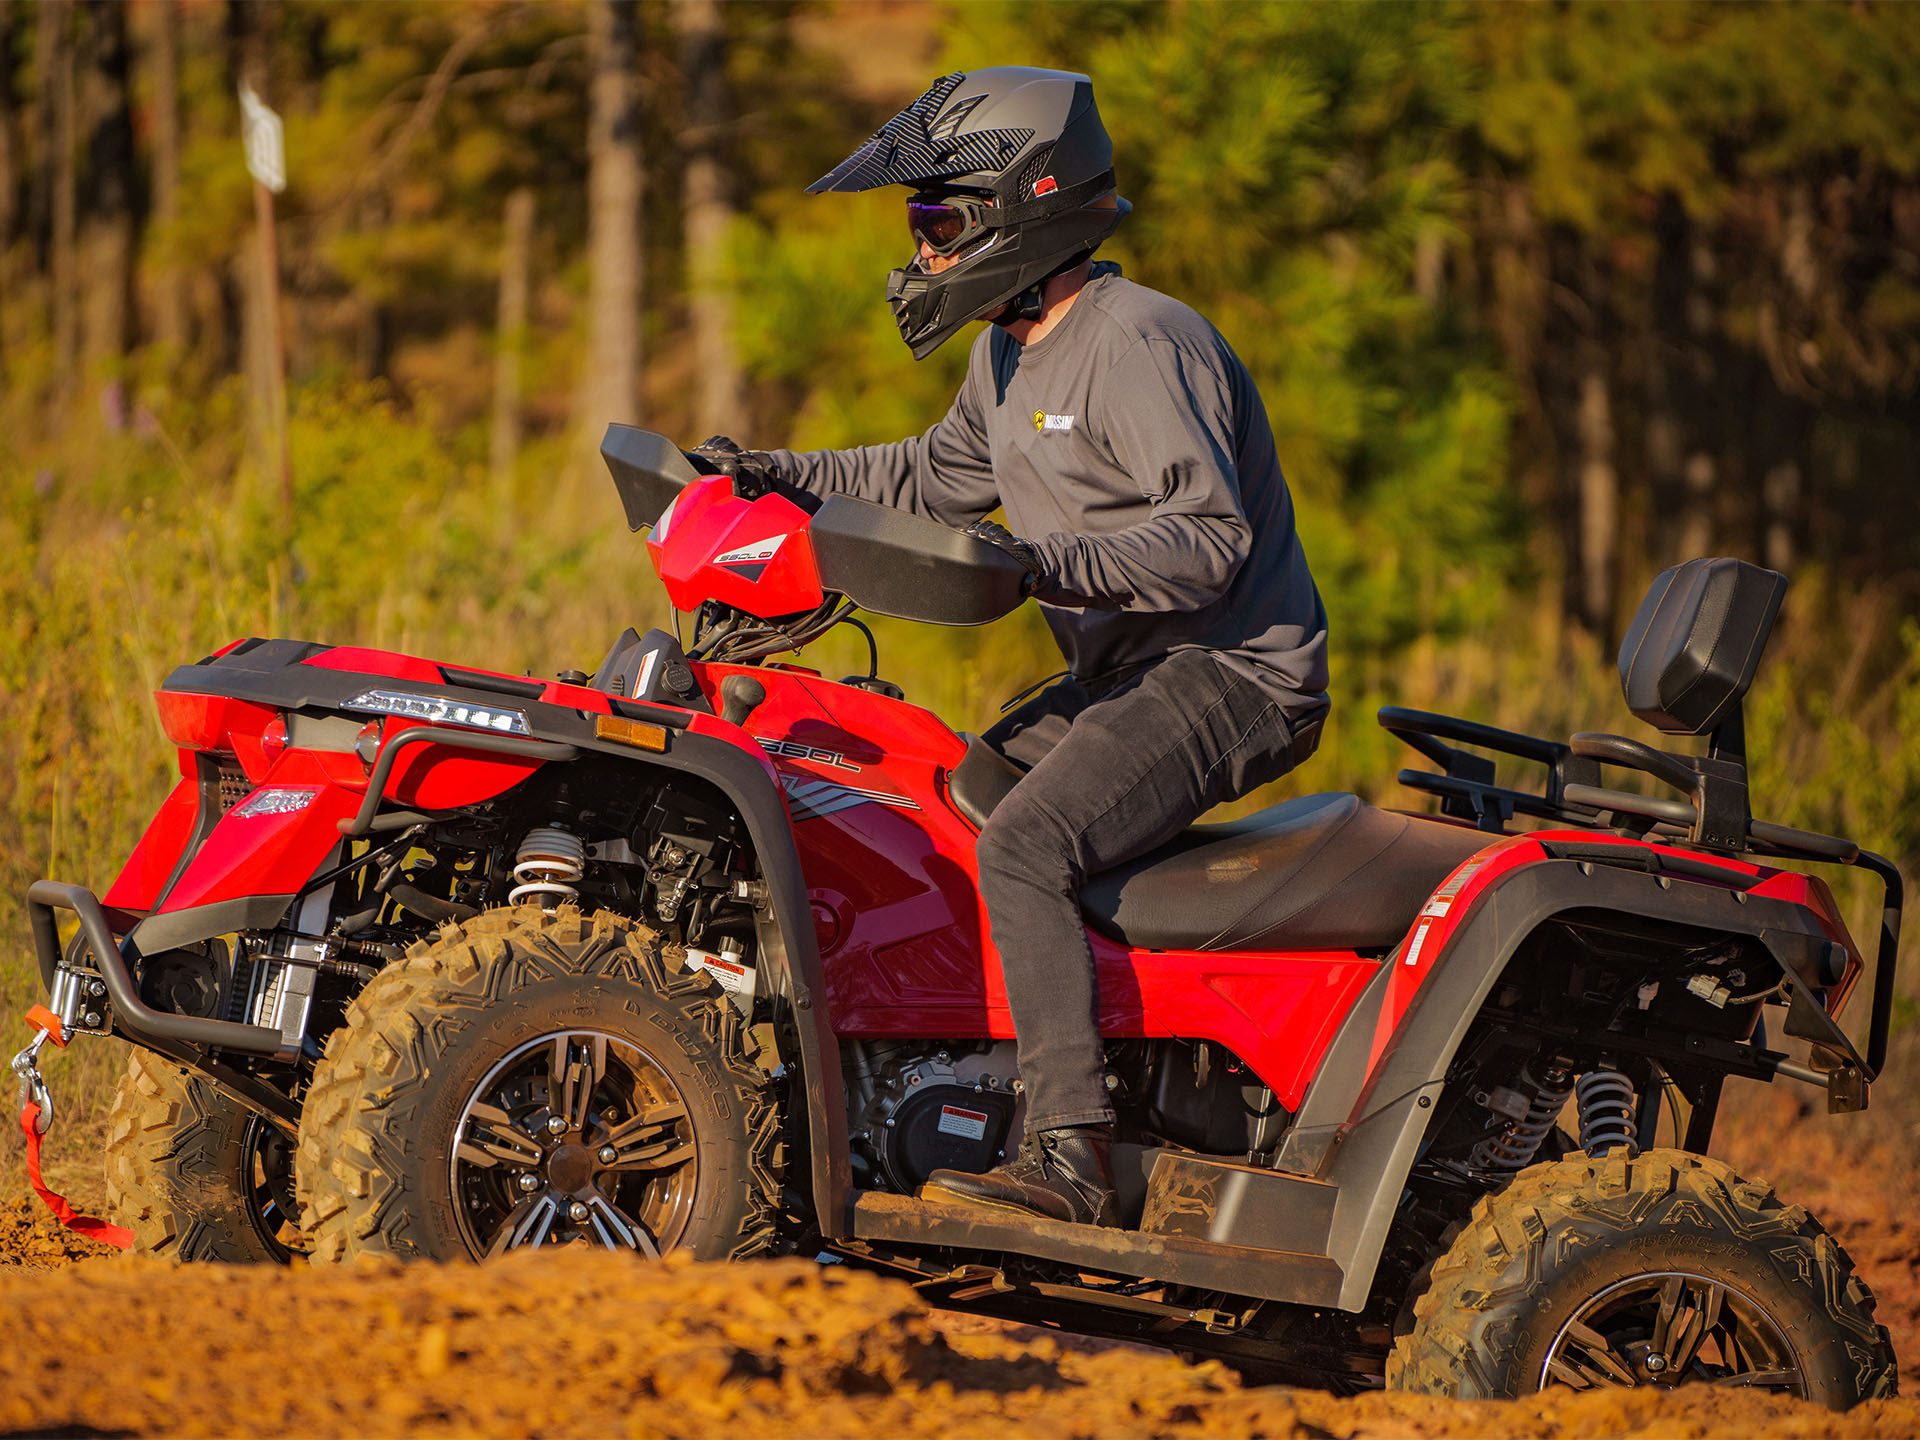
point(1130, 446)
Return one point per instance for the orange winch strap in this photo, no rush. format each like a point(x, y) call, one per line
point(107, 1234)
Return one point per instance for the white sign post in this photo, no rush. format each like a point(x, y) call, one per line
point(267, 163)
point(263, 133)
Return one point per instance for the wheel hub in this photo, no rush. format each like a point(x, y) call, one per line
point(570, 1168)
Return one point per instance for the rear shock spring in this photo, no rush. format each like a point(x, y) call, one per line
point(549, 861)
point(1515, 1147)
point(1606, 1100)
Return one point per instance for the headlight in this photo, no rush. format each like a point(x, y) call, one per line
point(441, 710)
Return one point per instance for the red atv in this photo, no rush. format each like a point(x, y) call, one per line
point(689, 954)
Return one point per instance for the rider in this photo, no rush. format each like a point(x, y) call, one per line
point(1134, 460)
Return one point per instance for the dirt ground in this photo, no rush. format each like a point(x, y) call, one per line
point(587, 1344)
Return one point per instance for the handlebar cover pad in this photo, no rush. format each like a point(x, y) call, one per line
point(892, 563)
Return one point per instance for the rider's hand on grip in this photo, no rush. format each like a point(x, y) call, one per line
point(752, 471)
point(1023, 551)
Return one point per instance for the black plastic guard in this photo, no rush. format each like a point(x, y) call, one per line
point(789, 950)
point(1367, 1146)
point(892, 563)
point(648, 470)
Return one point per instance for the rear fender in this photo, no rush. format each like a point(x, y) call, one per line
point(251, 865)
point(1395, 1048)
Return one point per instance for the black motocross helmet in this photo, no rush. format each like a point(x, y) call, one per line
point(1015, 160)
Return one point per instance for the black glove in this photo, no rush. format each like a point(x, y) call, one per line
point(1023, 551)
point(753, 472)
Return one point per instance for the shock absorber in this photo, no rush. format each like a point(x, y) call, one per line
point(1515, 1147)
point(548, 862)
point(1606, 1100)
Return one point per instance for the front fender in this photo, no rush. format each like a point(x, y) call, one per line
point(707, 749)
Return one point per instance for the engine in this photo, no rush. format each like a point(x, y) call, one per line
point(926, 1105)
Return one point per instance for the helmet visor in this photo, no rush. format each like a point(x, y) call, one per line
point(946, 224)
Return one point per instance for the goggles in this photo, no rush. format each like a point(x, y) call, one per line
point(946, 224)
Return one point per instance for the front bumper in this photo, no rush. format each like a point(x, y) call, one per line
point(76, 991)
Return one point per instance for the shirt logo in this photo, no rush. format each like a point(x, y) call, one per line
point(1044, 422)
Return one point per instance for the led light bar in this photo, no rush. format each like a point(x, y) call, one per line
point(276, 800)
point(441, 710)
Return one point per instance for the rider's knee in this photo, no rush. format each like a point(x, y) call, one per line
point(1022, 840)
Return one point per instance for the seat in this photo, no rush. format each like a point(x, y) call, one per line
point(1322, 872)
point(981, 780)
point(1319, 873)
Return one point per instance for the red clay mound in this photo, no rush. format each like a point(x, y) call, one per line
point(581, 1343)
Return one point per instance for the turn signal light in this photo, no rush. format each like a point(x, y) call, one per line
point(273, 739)
point(367, 744)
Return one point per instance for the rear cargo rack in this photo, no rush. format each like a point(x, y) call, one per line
point(1714, 817)
point(1466, 787)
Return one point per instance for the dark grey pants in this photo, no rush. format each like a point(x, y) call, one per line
point(1115, 769)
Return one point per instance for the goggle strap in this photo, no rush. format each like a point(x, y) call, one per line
point(1067, 197)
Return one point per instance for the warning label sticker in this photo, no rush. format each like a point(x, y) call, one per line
point(1443, 898)
point(967, 1124)
point(731, 976)
point(1419, 939)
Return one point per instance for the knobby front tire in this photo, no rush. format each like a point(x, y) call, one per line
point(532, 1078)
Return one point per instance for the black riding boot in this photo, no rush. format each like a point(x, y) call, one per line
point(1064, 1174)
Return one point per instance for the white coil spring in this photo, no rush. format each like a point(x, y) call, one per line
point(1515, 1147)
point(1606, 1100)
point(548, 862)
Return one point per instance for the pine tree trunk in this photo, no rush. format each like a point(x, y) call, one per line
point(516, 250)
point(56, 15)
point(9, 173)
point(1701, 473)
point(247, 22)
point(40, 128)
point(709, 215)
point(9, 154)
point(1599, 496)
point(1780, 496)
point(610, 389)
point(169, 302)
point(109, 202)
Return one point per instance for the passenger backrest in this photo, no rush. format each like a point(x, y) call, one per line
point(1691, 651)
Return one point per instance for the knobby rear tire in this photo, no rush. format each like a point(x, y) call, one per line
point(378, 1124)
point(180, 1168)
point(1561, 1233)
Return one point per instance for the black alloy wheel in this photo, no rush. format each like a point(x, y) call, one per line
point(267, 1165)
point(579, 1135)
point(1672, 1328)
